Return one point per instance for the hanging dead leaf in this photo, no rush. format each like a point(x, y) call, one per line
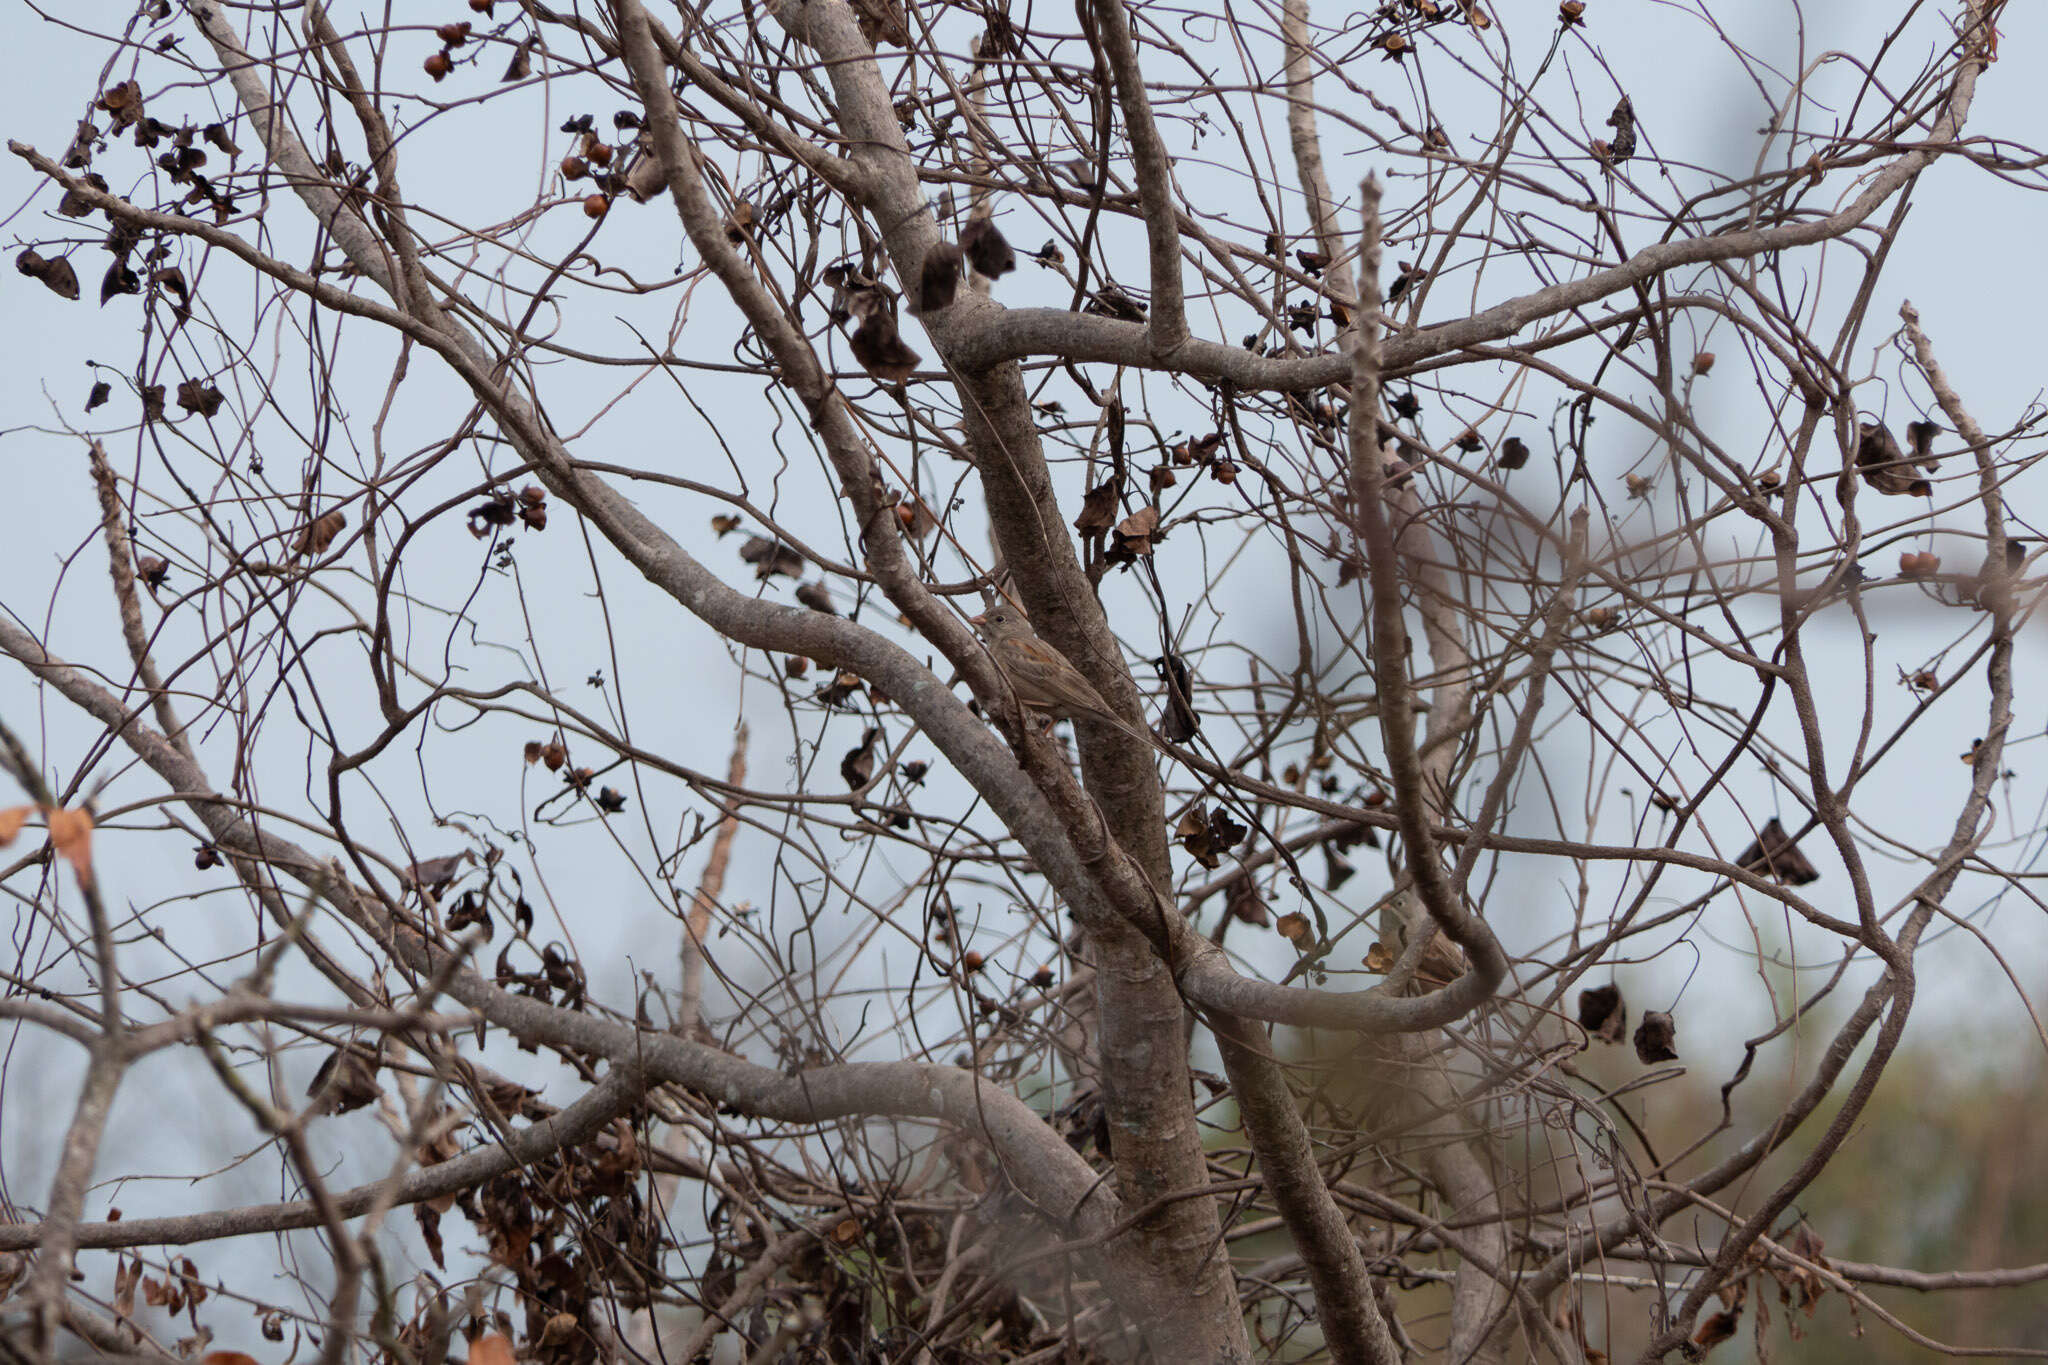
point(315, 539)
point(1199, 837)
point(880, 351)
point(841, 689)
point(1244, 903)
point(1920, 436)
point(1514, 453)
point(1703, 363)
point(76, 205)
point(1884, 466)
point(124, 102)
point(118, 280)
point(1136, 536)
point(770, 557)
point(817, 597)
point(1294, 927)
point(739, 223)
point(522, 62)
point(1098, 508)
point(533, 508)
point(1656, 1039)
point(11, 821)
point(939, 279)
point(434, 875)
point(857, 768)
point(986, 249)
point(882, 21)
point(345, 1082)
point(1776, 854)
point(1337, 869)
point(197, 395)
point(55, 272)
point(1181, 721)
point(1603, 1013)
point(1380, 958)
point(71, 835)
point(724, 524)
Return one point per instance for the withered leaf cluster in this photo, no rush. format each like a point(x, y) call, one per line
point(1208, 834)
point(528, 507)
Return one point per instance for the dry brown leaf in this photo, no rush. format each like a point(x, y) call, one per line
point(315, 539)
point(11, 821)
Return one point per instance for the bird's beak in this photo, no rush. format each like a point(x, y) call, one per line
point(980, 620)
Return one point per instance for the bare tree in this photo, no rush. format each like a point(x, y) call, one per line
point(1379, 493)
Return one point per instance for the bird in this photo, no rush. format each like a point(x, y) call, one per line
point(1041, 676)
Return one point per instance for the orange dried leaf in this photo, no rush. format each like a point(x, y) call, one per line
point(11, 821)
point(71, 836)
point(495, 1349)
